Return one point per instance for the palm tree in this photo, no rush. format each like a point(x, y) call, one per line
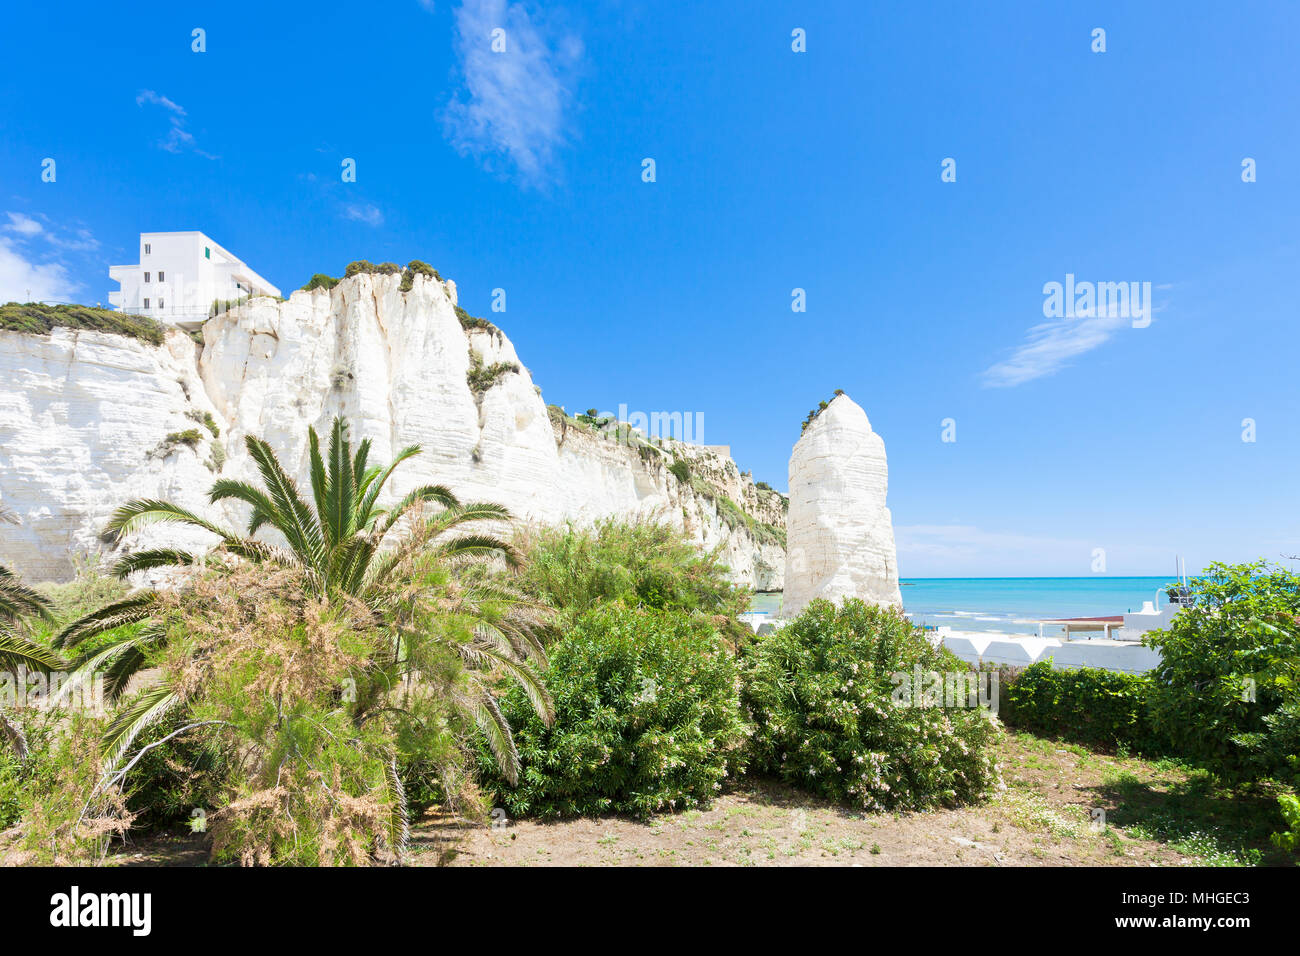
point(17, 652)
point(336, 541)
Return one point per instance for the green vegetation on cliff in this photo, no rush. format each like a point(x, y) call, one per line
point(34, 318)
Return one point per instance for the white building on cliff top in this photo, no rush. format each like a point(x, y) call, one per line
point(179, 276)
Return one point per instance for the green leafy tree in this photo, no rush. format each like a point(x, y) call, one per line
point(1227, 689)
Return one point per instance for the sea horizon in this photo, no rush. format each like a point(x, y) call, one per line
point(1014, 605)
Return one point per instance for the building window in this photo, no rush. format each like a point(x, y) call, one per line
point(147, 248)
point(160, 277)
point(146, 303)
point(207, 253)
point(161, 304)
point(146, 277)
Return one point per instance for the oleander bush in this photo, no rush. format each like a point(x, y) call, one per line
point(823, 695)
point(1227, 689)
point(647, 719)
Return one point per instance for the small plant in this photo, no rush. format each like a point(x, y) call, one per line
point(412, 268)
point(681, 468)
point(821, 407)
point(482, 377)
point(189, 438)
point(218, 458)
point(471, 323)
point(320, 281)
point(206, 420)
point(1289, 839)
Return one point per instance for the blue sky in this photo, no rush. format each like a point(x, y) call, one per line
point(775, 170)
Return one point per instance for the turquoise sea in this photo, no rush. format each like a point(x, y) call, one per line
point(1012, 605)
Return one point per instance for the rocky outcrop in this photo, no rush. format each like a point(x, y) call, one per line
point(839, 533)
point(85, 420)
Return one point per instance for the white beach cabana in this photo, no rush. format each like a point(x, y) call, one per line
point(1089, 625)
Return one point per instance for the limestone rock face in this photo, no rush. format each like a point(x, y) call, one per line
point(85, 419)
point(84, 425)
point(840, 537)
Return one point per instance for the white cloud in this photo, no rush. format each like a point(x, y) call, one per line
point(364, 212)
point(22, 280)
point(23, 225)
point(178, 138)
point(1050, 345)
point(514, 103)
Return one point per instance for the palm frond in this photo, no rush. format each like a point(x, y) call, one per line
point(142, 713)
point(118, 661)
point(129, 610)
point(482, 655)
point(479, 545)
point(438, 494)
point(146, 511)
point(18, 651)
point(291, 517)
point(152, 558)
point(12, 733)
point(340, 515)
point(263, 509)
point(492, 724)
point(375, 486)
point(17, 600)
point(399, 819)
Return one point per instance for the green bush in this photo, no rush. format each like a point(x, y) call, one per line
point(1085, 704)
point(320, 281)
point(1227, 689)
point(412, 268)
point(36, 319)
point(471, 323)
point(482, 377)
point(1289, 839)
point(647, 719)
point(632, 563)
point(190, 437)
point(362, 266)
point(822, 693)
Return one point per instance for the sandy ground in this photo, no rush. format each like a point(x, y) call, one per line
point(1050, 814)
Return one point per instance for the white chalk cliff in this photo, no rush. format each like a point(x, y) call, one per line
point(89, 420)
point(839, 534)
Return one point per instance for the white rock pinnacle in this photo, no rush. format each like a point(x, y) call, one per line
point(840, 537)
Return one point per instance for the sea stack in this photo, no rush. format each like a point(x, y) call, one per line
point(840, 537)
